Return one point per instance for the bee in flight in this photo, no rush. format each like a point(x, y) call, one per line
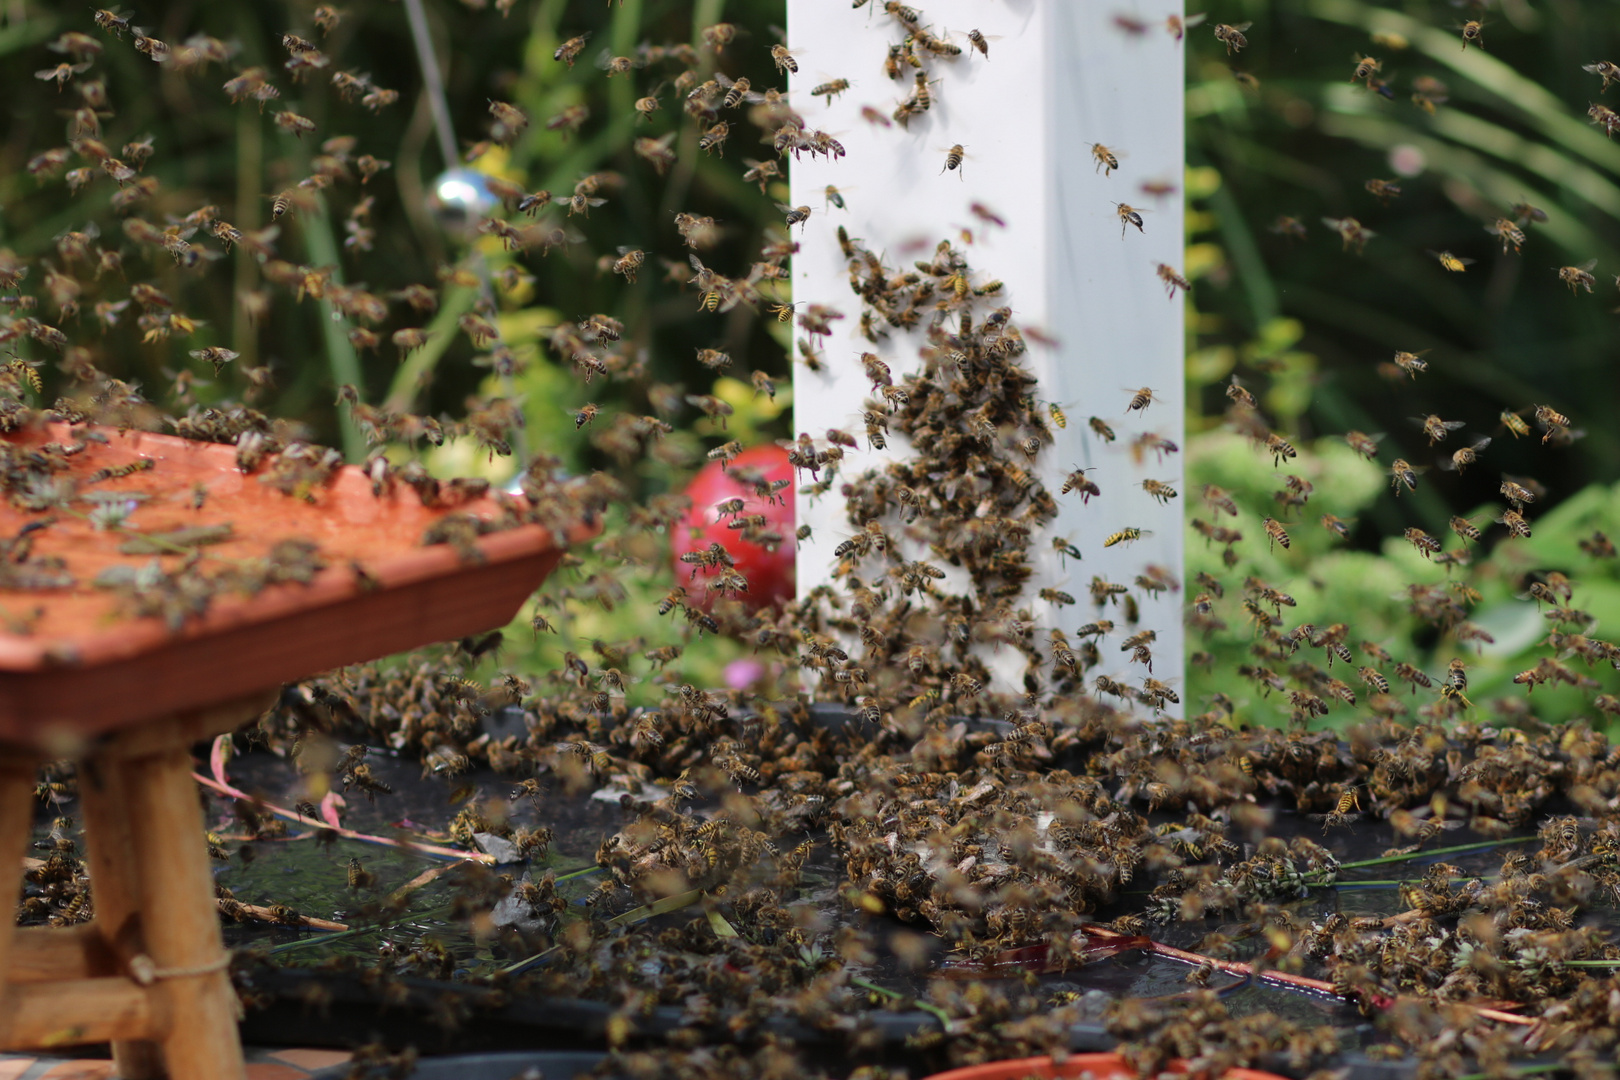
point(1473, 33)
point(1232, 36)
point(1609, 72)
point(1107, 161)
point(1172, 280)
point(1383, 190)
point(1140, 399)
point(1437, 429)
point(1126, 536)
point(1578, 277)
point(1350, 231)
point(1509, 233)
point(1452, 262)
point(1128, 215)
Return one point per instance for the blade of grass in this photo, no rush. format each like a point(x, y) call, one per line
point(894, 995)
point(1390, 860)
point(360, 931)
point(1511, 91)
point(414, 373)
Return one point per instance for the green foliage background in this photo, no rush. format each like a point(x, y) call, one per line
point(1304, 324)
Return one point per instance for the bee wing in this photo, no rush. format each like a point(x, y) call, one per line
point(1588, 265)
point(45, 74)
point(1191, 21)
point(1453, 425)
point(1242, 26)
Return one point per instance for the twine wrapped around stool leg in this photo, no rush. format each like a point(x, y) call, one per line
point(115, 879)
point(180, 926)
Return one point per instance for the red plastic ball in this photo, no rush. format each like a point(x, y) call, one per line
point(769, 573)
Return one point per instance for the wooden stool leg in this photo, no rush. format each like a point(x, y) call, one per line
point(116, 883)
point(17, 777)
point(179, 919)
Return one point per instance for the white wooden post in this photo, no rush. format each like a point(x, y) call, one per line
point(1060, 76)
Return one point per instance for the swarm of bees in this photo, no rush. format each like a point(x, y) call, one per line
point(992, 821)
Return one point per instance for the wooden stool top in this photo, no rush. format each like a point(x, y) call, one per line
point(331, 573)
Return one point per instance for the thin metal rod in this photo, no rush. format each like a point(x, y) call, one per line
point(432, 82)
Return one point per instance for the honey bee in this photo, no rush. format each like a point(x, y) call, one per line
point(830, 90)
point(112, 22)
point(216, 356)
point(953, 160)
point(1551, 419)
point(1336, 525)
point(1276, 534)
point(569, 50)
point(1464, 528)
point(1426, 544)
point(1232, 36)
point(294, 124)
point(1473, 34)
point(61, 73)
point(1366, 68)
point(410, 338)
point(1160, 491)
point(1402, 475)
point(629, 260)
point(1465, 457)
point(1079, 481)
point(1598, 546)
point(1107, 161)
point(1435, 428)
point(715, 138)
point(1510, 234)
point(1351, 232)
point(1343, 810)
point(1140, 399)
point(1517, 493)
point(1172, 280)
point(1126, 536)
point(1290, 227)
point(1280, 449)
point(1518, 526)
point(1609, 72)
point(1578, 277)
point(718, 36)
point(1451, 262)
point(1128, 216)
point(783, 59)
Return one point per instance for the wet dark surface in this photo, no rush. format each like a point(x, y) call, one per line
point(312, 1007)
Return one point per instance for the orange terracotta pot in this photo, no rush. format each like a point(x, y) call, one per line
point(73, 665)
point(1096, 1066)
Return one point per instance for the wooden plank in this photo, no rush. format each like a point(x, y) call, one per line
point(70, 1012)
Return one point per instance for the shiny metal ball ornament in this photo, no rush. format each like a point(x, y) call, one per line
point(459, 199)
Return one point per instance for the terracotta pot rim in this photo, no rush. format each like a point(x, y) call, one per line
point(1105, 1065)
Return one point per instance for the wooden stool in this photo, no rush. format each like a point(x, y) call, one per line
point(148, 973)
point(126, 698)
